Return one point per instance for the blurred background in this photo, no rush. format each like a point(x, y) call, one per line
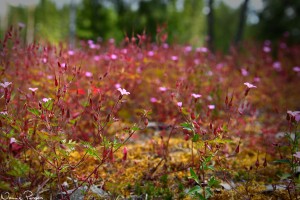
point(215, 23)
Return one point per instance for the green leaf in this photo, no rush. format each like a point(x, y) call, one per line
point(135, 128)
point(225, 128)
point(187, 126)
point(34, 111)
point(26, 184)
point(91, 150)
point(5, 116)
point(85, 104)
point(204, 166)
point(19, 169)
point(195, 137)
point(49, 174)
point(117, 145)
point(194, 175)
point(213, 182)
point(285, 176)
point(48, 105)
point(195, 189)
point(282, 161)
point(185, 111)
point(72, 121)
point(208, 159)
point(4, 186)
point(208, 192)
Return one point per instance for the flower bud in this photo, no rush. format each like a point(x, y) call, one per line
point(124, 154)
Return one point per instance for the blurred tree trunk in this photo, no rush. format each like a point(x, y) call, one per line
point(241, 26)
point(210, 25)
point(72, 24)
point(30, 25)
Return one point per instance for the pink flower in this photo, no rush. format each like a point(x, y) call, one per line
point(113, 56)
point(21, 25)
point(196, 96)
point(256, 79)
point(5, 84)
point(249, 85)
point(296, 69)
point(188, 49)
point(117, 85)
point(12, 140)
point(92, 46)
point(33, 89)
point(163, 89)
point(123, 91)
point(244, 72)
point(63, 65)
point(297, 154)
point(150, 53)
point(179, 104)
point(197, 61)
point(111, 40)
point(153, 100)
point(277, 65)
point(295, 114)
point(3, 113)
point(96, 58)
point(46, 99)
point(174, 58)
point(124, 51)
point(266, 49)
point(71, 53)
point(202, 49)
point(88, 74)
point(211, 107)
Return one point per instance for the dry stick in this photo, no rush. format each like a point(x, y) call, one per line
point(155, 168)
point(61, 186)
point(79, 162)
point(108, 117)
point(39, 153)
point(168, 140)
point(175, 171)
point(103, 161)
point(167, 146)
point(192, 153)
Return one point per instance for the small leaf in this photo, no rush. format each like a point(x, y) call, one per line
point(91, 150)
point(285, 176)
point(208, 192)
point(212, 182)
point(195, 189)
point(208, 159)
point(49, 174)
point(282, 161)
point(34, 111)
point(195, 138)
point(187, 126)
point(225, 128)
point(194, 175)
point(4, 186)
point(48, 105)
point(19, 169)
point(135, 128)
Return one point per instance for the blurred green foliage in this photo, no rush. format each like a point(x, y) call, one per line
point(184, 20)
